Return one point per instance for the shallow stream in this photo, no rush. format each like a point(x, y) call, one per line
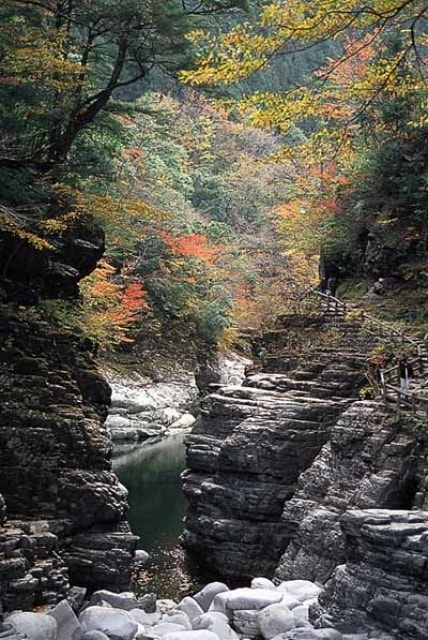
point(151, 473)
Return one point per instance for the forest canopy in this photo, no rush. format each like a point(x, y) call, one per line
point(356, 129)
point(306, 136)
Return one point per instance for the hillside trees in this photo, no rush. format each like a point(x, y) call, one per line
point(356, 131)
point(68, 158)
point(62, 62)
point(201, 263)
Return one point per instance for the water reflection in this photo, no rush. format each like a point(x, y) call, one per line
point(151, 473)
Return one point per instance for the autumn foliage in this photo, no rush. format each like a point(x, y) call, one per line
point(193, 245)
point(110, 307)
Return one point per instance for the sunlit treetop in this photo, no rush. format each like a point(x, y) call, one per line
point(296, 25)
point(382, 52)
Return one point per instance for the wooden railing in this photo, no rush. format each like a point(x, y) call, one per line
point(338, 306)
point(333, 304)
point(413, 401)
point(392, 330)
point(410, 400)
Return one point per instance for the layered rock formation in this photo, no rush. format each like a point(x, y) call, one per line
point(385, 579)
point(294, 477)
point(244, 459)
point(64, 505)
point(370, 461)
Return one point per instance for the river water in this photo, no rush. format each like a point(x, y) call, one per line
point(151, 473)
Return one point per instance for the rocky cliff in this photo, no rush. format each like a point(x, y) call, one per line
point(384, 581)
point(294, 477)
point(245, 457)
point(65, 508)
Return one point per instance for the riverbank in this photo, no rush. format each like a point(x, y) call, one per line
point(162, 397)
point(263, 610)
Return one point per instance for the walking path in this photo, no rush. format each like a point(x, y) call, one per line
point(335, 314)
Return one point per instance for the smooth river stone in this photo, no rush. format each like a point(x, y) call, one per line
point(125, 601)
point(68, 624)
point(262, 583)
point(216, 622)
point(205, 596)
point(190, 607)
point(36, 626)
point(310, 634)
point(177, 617)
point(301, 616)
point(164, 605)
point(300, 589)
point(116, 624)
point(245, 598)
point(275, 619)
point(164, 628)
point(202, 634)
point(246, 622)
point(147, 619)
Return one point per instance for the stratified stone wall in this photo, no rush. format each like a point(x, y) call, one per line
point(55, 452)
point(31, 569)
point(244, 459)
point(385, 579)
point(66, 510)
point(371, 460)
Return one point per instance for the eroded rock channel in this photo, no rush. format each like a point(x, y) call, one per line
point(293, 477)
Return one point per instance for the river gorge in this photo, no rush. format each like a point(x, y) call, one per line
point(288, 476)
point(151, 473)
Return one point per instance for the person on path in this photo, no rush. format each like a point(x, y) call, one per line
point(405, 371)
point(379, 287)
point(331, 286)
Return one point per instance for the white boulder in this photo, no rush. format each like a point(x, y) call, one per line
point(311, 634)
point(93, 635)
point(290, 601)
point(246, 622)
point(68, 624)
point(217, 623)
point(245, 598)
point(275, 619)
point(300, 589)
point(164, 605)
point(190, 607)
point(125, 601)
point(35, 626)
point(178, 617)
point(205, 596)
point(262, 583)
point(163, 628)
point(202, 634)
point(146, 619)
point(184, 422)
point(115, 623)
point(301, 616)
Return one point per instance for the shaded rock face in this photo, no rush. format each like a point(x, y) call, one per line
point(28, 273)
point(244, 459)
point(55, 452)
point(385, 579)
point(371, 460)
point(31, 570)
point(65, 508)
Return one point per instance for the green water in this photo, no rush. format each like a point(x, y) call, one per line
point(151, 473)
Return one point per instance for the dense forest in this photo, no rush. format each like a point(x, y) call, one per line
point(220, 148)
